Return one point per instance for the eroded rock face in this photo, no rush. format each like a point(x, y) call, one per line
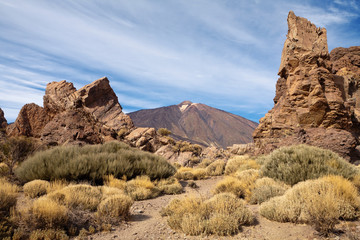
point(30, 121)
point(308, 94)
point(91, 114)
point(3, 122)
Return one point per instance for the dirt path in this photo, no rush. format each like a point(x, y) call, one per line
point(146, 222)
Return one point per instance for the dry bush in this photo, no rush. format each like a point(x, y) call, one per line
point(8, 196)
point(115, 207)
point(48, 234)
point(356, 181)
point(266, 188)
point(141, 188)
point(163, 132)
point(319, 202)
point(302, 162)
point(78, 196)
point(205, 162)
point(240, 163)
point(92, 162)
point(183, 146)
point(36, 188)
point(169, 186)
point(187, 173)
point(221, 215)
point(57, 185)
point(47, 213)
point(110, 191)
point(241, 184)
point(111, 181)
point(216, 168)
point(4, 169)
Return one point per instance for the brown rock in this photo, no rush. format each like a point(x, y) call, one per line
point(30, 121)
point(3, 122)
point(59, 96)
point(308, 94)
point(72, 127)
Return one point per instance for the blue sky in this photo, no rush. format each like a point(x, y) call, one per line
point(223, 53)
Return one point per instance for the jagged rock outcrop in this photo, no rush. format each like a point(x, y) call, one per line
point(91, 114)
point(3, 122)
point(30, 121)
point(310, 99)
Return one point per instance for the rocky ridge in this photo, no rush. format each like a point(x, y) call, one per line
point(3, 122)
point(313, 104)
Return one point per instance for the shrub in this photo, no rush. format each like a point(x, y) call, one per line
point(356, 181)
point(110, 191)
point(216, 168)
point(56, 185)
point(240, 163)
point(302, 162)
point(183, 146)
point(221, 215)
point(318, 202)
point(92, 162)
point(78, 196)
point(163, 132)
point(47, 213)
point(8, 196)
point(111, 181)
point(4, 169)
point(141, 188)
point(205, 162)
point(48, 234)
point(187, 173)
point(169, 186)
point(36, 188)
point(266, 188)
point(115, 206)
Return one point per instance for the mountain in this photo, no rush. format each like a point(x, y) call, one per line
point(197, 123)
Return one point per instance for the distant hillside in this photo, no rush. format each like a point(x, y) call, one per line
point(198, 123)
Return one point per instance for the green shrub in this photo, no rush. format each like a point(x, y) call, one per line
point(183, 146)
point(222, 215)
point(36, 188)
point(92, 162)
point(163, 132)
point(321, 202)
point(302, 162)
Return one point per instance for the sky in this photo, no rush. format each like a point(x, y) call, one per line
point(222, 53)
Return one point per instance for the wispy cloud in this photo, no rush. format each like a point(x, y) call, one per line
point(221, 53)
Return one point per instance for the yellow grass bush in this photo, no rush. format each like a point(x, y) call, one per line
point(48, 213)
point(205, 162)
point(4, 169)
point(302, 162)
point(141, 188)
point(187, 173)
point(169, 186)
point(116, 206)
point(240, 163)
point(8, 196)
point(36, 188)
point(222, 215)
point(164, 132)
point(266, 188)
point(356, 181)
point(216, 168)
point(48, 234)
point(319, 202)
point(80, 196)
point(57, 185)
point(110, 191)
point(241, 184)
point(111, 181)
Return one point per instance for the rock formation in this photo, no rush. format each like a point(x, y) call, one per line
point(91, 114)
point(3, 122)
point(197, 123)
point(311, 100)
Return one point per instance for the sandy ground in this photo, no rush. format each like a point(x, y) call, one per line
point(146, 223)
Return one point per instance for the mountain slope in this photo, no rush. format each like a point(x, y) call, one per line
point(197, 123)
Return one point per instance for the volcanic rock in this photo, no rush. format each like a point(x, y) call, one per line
point(3, 122)
point(197, 123)
point(310, 99)
point(30, 122)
